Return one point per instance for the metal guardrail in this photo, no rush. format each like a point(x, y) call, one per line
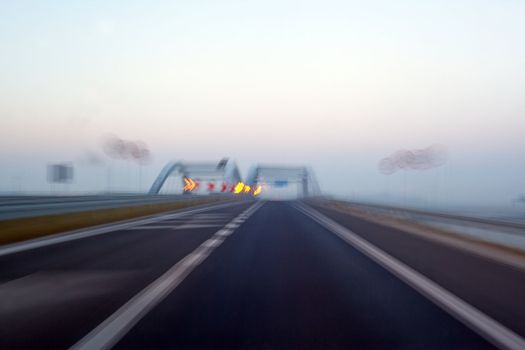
point(14, 207)
point(437, 214)
point(510, 234)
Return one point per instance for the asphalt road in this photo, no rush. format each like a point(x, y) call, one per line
point(242, 276)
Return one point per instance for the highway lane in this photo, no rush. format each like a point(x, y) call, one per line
point(52, 296)
point(494, 288)
point(285, 282)
point(235, 277)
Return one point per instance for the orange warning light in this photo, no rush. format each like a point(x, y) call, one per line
point(257, 190)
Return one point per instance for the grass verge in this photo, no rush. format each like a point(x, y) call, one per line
point(21, 229)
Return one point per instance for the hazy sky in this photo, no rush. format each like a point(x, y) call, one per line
point(334, 84)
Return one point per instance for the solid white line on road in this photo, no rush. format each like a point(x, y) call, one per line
point(101, 229)
point(482, 324)
point(109, 332)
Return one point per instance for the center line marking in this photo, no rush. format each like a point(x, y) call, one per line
point(111, 330)
point(224, 232)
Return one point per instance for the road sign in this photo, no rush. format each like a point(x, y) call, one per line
point(61, 173)
point(280, 183)
point(189, 184)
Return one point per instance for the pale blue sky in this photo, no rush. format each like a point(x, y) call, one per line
point(335, 84)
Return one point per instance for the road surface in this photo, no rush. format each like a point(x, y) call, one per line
point(257, 275)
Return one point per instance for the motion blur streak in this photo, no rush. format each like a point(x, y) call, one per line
point(238, 188)
point(385, 139)
point(257, 191)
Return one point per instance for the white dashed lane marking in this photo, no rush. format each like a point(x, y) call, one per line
point(192, 222)
point(109, 332)
point(103, 229)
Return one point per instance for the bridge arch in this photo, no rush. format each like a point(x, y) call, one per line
point(301, 174)
point(225, 169)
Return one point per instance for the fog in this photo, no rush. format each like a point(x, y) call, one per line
point(336, 85)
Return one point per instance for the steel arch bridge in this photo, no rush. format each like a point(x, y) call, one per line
point(225, 169)
point(300, 174)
